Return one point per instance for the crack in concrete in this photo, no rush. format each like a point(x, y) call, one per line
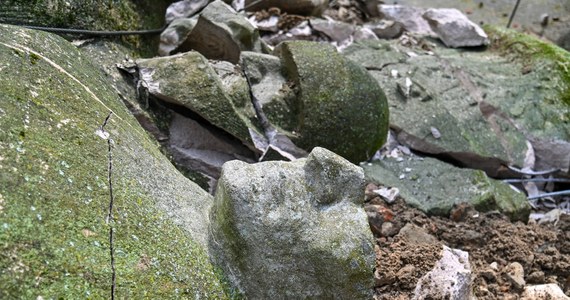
point(109, 218)
point(276, 140)
point(59, 68)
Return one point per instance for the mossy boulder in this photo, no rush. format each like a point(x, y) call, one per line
point(534, 52)
point(435, 187)
point(271, 88)
point(55, 187)
point(341, 107)
point(485, 102)
point(294, 230)
point(189, 80)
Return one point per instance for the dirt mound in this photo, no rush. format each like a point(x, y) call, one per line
point(494, 244)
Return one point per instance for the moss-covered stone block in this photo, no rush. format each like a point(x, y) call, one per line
point(341, 107)
point(527, 48)
point(435, 187)
point(55, 188)
point(497, 195)
point(188, 79)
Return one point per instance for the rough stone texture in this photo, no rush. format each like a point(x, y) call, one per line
point(87, 14)
point(183, 9)
point(188, 79)
point(340, 106)
point(336, 31)
point(385, 29)
point(450, 278)
point(221, 33)
point(203, 149)
point(515, 274)
point(90, 15)
point(410, 17)
point(433, 187)
point(310, 112)
point(270, 86)
point(451, 92)
point(454, 29)
point(175, 34)
point(294, 229)
point(54, 192)
point(549, 291)
point(529, 16)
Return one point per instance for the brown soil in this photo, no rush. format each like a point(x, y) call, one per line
point(492, 241)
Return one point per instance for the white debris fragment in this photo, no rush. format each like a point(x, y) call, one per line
point(102, 134)
point(270, 24)
point(552, 216)
point(388, 194)
point(411, 54)
point(238, 5)
point(405, 150)
point(435, 133)
point(543, 291)
point(394, 73)
point(450, 278)
point(408, 86)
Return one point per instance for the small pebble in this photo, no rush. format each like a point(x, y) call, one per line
point(515, 274)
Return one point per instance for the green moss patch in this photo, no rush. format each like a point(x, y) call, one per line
point(54, 192)
point(91, 15)
point(530, 50)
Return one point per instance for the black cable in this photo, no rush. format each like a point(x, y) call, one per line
point(95, 32)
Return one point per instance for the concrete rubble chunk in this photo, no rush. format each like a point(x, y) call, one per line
point(549, 291)
point(175, 34)
point(328, 85)
point(219, 33)
point(184, 9)
point(450, 278)
point(410, 18)
point(189, 80)
point(455, 29)
point(294, 230)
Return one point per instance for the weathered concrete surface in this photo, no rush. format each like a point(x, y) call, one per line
point(221, 33)
point(340, 106)
point(55, 194)
point(188, 79)
point(450, 278)
point(294, 229)
point(434, 187)
point(484, 102)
